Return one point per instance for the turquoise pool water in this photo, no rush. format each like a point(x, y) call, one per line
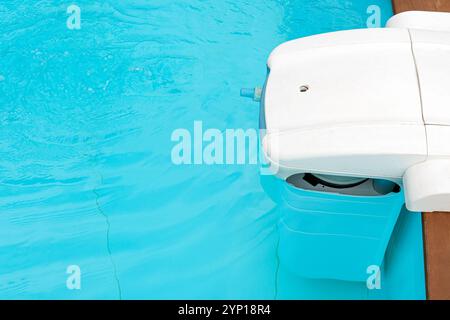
point(86, 176)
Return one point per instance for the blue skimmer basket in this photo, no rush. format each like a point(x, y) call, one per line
point(333, 236)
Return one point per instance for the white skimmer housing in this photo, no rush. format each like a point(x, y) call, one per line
point(366, 103)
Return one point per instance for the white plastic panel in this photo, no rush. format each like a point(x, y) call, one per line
point(365, 151)
point(438, 139)
point(432, 52)
point(358, 76)
point(339, 38)
point(427, 186)
point(426, 20)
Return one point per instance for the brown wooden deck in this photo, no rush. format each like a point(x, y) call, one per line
point(436, 226)
point(425, 5)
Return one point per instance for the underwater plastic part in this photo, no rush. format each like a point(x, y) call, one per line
point(385, 186)
point(326, 235)
point(337, 181)
point(345, 185)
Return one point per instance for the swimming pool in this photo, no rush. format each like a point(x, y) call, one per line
point(86, 176)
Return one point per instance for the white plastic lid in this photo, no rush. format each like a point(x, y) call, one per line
point(427, 186)
point(424, 20)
